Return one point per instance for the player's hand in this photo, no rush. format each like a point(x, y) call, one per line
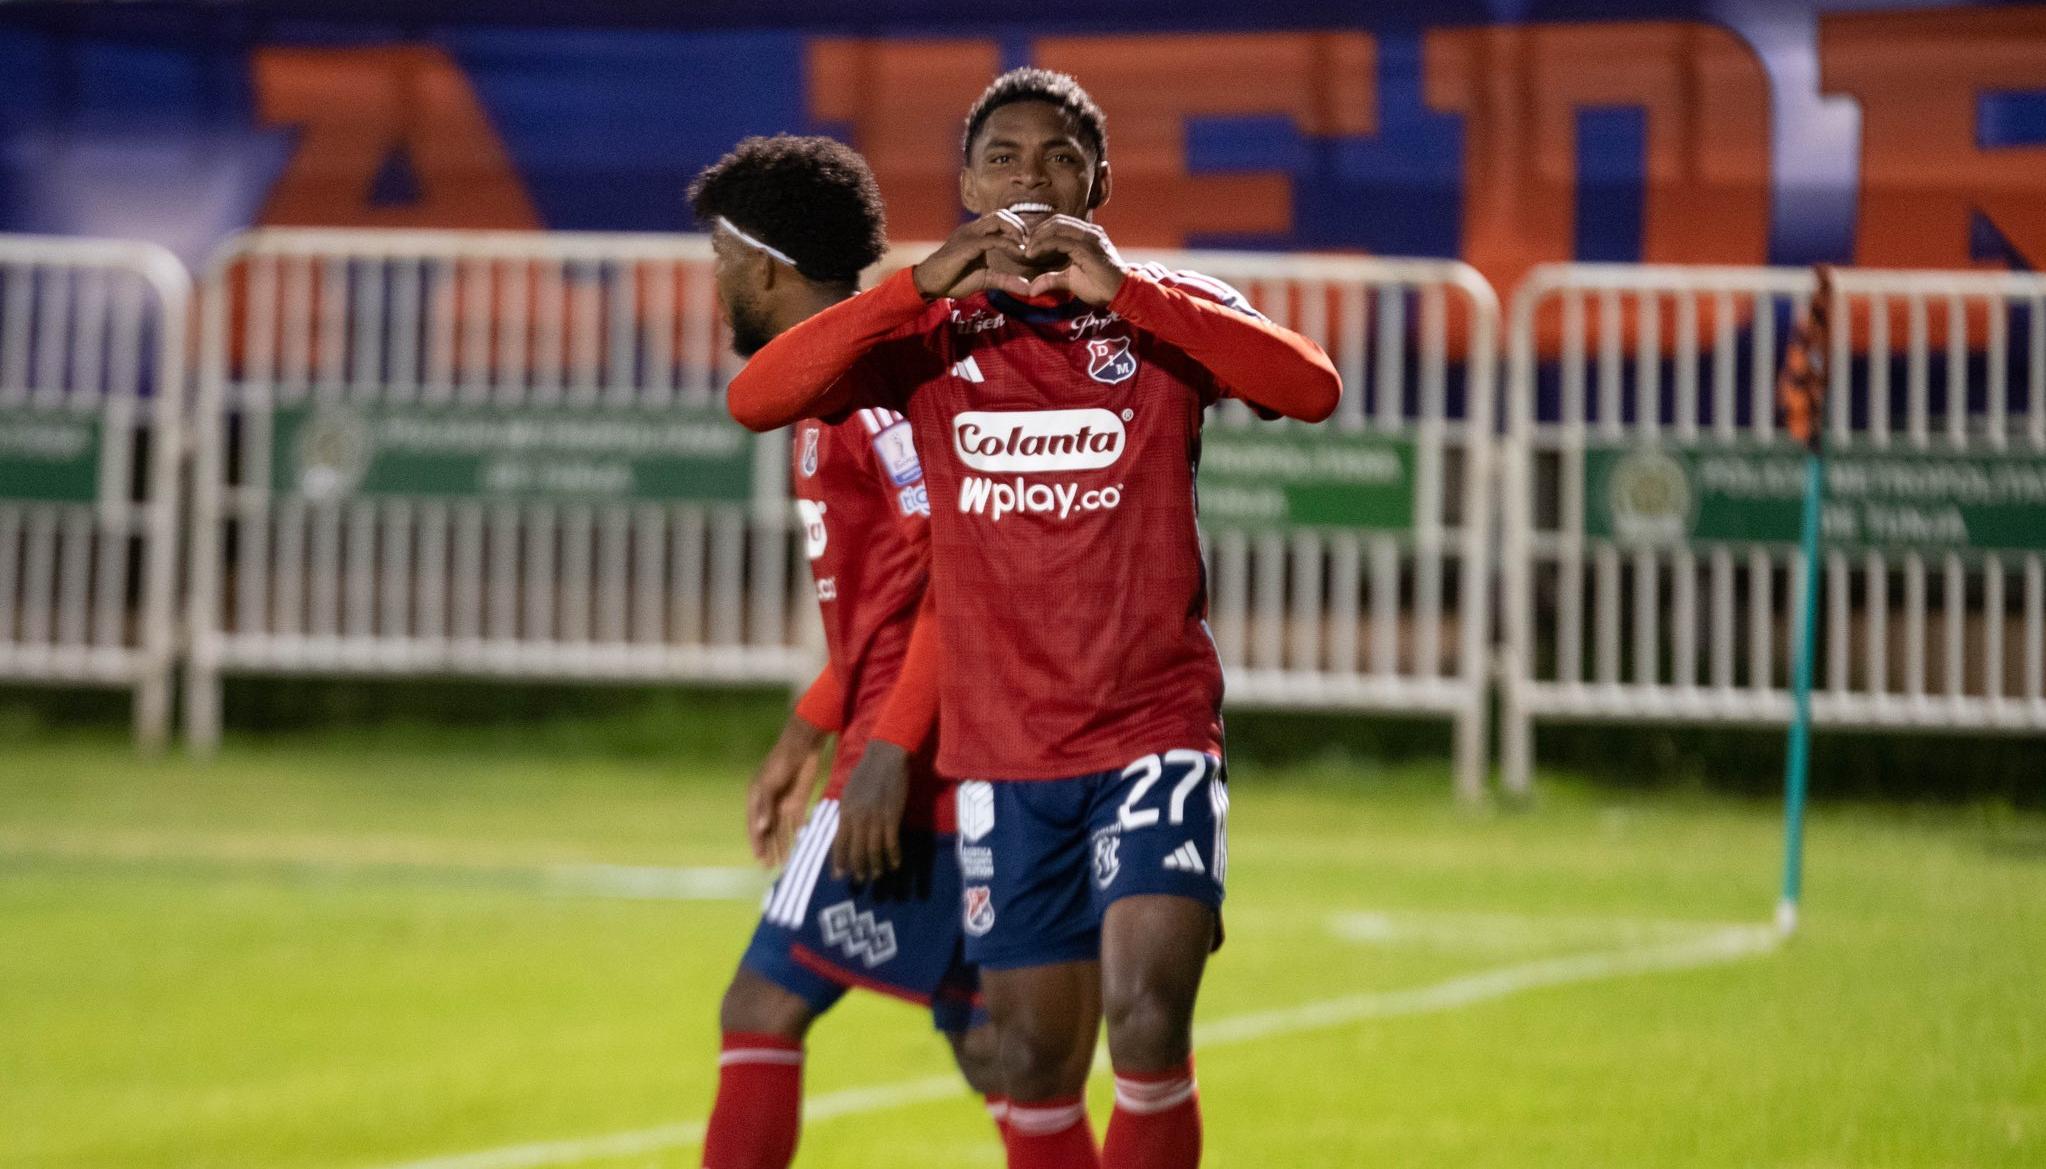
point(780, 791)
point(1093, 271)
point(959, 267)
point(869, 842)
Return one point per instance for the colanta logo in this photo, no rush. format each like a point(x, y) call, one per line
point(1037, 440)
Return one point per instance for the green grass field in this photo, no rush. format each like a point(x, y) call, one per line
point(339, 952)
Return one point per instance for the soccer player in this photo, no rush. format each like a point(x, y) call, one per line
point(870, 892)
point(1057, 393)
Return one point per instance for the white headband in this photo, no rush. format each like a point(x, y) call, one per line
point(748, 240)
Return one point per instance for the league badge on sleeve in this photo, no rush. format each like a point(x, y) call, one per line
point(897, 452)
point(1109, 360)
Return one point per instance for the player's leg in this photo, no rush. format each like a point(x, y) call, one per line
point(1032, 931)
point(763, 1018)
point(1045, 1019)
point(957, 1005)
point(1160, 851)
point(758, 1114)
point(1154, 950)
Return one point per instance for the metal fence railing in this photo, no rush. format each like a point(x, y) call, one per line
point(1649, 545)
point(485, 454)
point(92, 382)
point(506, 455)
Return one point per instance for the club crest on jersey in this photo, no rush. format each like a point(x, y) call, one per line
point(809, 460)
point(980, 910)
point(1109, 360)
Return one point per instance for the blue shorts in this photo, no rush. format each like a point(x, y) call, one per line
point(820, 935)
point(1042, 860)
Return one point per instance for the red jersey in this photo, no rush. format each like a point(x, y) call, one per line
point(1060, 445)
point(860, 497)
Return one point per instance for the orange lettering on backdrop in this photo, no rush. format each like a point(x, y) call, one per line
point(1918, 77)
point(1151, 85)
point(360, 108)
point(1519, 90)
point(906, 102)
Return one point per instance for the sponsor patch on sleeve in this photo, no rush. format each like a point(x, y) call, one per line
point(897, 453)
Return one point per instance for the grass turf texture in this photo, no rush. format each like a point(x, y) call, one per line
point(339, 950)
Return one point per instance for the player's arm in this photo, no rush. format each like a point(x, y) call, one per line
point(868, 845)
point(782, 786)
point(1249, 356)
point(802, 372)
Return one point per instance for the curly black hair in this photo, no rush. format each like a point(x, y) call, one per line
point(1043, 85)
point(813, 198)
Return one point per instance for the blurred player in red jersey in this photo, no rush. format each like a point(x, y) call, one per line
point(1057, 392)
point(870, 893)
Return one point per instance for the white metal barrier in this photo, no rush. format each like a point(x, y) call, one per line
point(92, 383)
point(491, 454)
point(1649, 557)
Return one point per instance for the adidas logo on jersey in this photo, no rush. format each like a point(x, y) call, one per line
point(1185, 859)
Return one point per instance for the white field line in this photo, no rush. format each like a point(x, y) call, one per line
point(262, 860)
point(1716, 947)
point(1509, 932)
point(655, 882)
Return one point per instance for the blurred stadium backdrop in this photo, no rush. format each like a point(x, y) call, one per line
point(372, 340)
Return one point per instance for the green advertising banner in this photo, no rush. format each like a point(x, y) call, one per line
point(1653, 496)
point(540, 453)
point(48, 456)
point(1272, 477)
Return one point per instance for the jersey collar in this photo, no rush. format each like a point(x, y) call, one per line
point(1037, 314)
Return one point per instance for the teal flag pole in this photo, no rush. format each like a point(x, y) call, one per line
point(1797, 756)
point(1802, 389)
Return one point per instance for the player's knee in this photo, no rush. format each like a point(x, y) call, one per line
point(979, 1056)
point(1032, 1071)
point(754, 1006)
point(1149, 1025)
point(1036, 1063)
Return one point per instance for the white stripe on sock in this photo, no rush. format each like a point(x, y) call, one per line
point(1145, 1097)
point(1041, 1122)
point(759, 1055)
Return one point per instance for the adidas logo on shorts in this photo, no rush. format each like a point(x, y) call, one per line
point(1185, 859)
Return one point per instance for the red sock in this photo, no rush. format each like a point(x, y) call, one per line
point(998, 1111)
point(1157, 1121)
point(759, 1108)
point(1050, 1134)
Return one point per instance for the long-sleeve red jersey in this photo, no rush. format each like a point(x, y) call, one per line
point(1060, 445)
point(860, 497)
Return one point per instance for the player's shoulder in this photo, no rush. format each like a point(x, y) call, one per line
point(1199, 284)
